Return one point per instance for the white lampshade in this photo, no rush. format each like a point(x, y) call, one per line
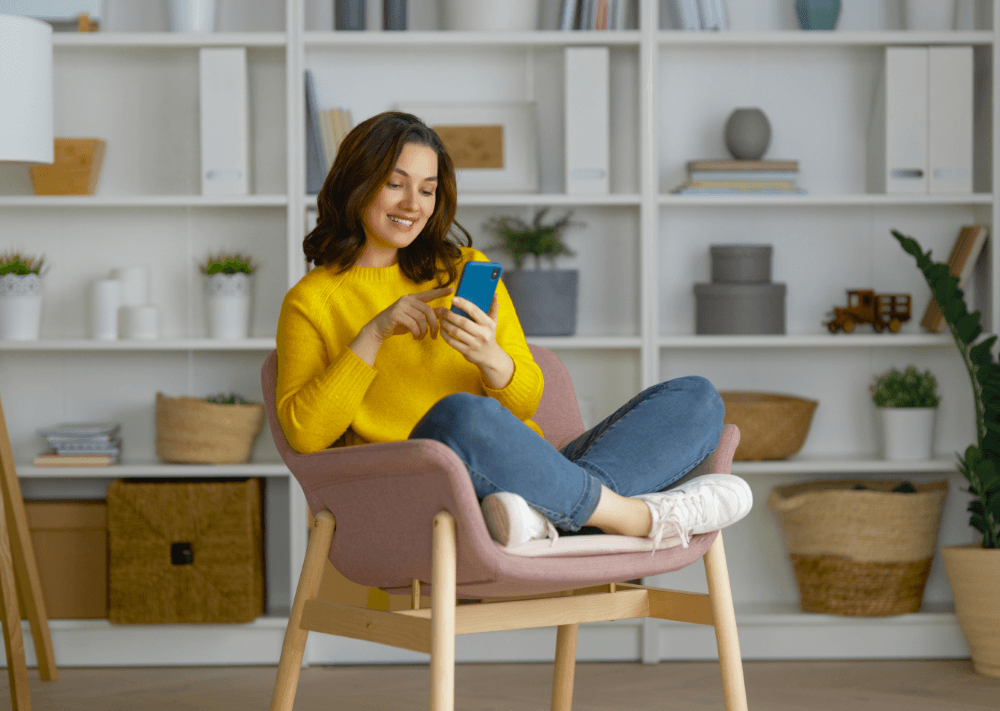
point(25, 90)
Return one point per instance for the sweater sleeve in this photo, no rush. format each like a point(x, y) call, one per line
point(318, 393)
point(524, 391)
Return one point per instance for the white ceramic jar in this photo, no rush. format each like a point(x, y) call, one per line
point(228, 305)
point(20, 307)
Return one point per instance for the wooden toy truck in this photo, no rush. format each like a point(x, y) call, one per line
point(865, 306)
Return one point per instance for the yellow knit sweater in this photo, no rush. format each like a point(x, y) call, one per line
point(324, 390)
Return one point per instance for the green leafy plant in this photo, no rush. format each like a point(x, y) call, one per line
point(981, 463)
point(224, 399)
point(519, 238)
point(20, 264)
point(909, 388)
point(224, 263)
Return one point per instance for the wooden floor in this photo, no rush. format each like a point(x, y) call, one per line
point(771, 686)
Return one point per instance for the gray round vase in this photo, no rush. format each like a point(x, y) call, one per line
point(545, 300)
point(748, 133)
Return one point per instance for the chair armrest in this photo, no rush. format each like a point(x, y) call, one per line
point(384, 497)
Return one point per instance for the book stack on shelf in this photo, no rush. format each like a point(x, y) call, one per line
point(80, 445)
point(597, 15)
point(698, 14)
point(324, 131)
point(742, 177)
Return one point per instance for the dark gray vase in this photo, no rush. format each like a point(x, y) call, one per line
point(545, 300)
point(748, 133)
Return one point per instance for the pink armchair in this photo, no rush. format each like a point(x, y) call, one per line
point(403, 517)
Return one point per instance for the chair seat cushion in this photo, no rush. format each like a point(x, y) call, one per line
point(588, 545)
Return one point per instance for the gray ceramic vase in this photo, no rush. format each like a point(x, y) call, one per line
point(748, 133)
point(545, 300)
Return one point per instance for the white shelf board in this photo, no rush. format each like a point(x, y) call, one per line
point(544, 38)
point(467, 199)
point(820, 340)
point(860, 199)
point(831, 465)
point(143, 201)
point(160, 344)
point(154, 471)
point(797, 38)
point(586, 342)
point(168, 39)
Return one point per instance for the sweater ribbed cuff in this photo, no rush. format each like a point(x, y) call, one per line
point(348, 380)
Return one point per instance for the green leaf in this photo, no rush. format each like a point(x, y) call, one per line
point(994, 504)
point(981, 352)
point(979, 523)
point(986, 474)
point(976, 507)
point(968, 328)
point(972, 456)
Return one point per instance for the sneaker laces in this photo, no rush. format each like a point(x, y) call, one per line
point(551, 533)
point(683, 512)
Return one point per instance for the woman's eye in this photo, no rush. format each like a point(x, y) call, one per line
point(428, 193)
point(394, 186)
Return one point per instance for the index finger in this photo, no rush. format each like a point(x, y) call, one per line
point(433, 294)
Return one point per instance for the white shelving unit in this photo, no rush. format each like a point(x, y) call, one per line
point(640, 252)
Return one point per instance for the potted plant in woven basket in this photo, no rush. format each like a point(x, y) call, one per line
point(220, 429)
point(973, 570)
point(907, 402)
point(545, 299)
point(228, 294)
point(20, 296)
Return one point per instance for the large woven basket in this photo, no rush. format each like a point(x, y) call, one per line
point(861, 553)
point(771, 426)
point(192, 431)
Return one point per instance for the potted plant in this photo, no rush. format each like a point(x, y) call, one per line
point(545, 299)
point(20, 296)
point(973, 570)
point(906, 403)
point(228, 294)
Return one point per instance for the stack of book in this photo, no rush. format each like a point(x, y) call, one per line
point(596, 15)
point(742, 177)
point(324, 131)
point(80, 445)
point(335, 123)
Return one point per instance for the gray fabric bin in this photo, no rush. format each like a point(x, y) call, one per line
point(739, 309)
point(741, 263)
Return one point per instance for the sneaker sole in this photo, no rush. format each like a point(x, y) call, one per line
point(496, 520)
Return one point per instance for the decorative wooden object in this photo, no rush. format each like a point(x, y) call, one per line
point(76, 168)
point(882, 311)
point(85, 24)
point(473, 146)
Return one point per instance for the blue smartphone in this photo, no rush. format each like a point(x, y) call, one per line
point(478, 283)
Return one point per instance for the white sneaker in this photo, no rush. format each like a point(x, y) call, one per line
point(703, 504)
point(512, 522)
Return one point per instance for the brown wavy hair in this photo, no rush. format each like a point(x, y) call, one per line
point(364, 162)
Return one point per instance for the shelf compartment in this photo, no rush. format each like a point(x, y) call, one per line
point(875, 340)
point(543, 38)
point(87, 201)
point(168, 39)
point(155, 470)
point(160, 344)
point(795, 38)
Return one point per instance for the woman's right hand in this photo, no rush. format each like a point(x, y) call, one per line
point(409, 314)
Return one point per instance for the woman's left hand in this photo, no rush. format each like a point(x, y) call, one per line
point(476, 339)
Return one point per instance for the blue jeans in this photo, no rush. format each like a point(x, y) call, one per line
point(649, 443)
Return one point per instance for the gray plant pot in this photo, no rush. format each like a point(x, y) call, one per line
point(545, 300)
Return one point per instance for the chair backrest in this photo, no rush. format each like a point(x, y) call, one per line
point(558, 412)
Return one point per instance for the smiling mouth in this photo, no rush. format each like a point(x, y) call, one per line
point(401, 221)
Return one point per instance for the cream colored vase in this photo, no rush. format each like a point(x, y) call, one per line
point(974, 574)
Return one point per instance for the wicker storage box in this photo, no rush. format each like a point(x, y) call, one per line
point(862, 553)
point(192, 431)
point(771, 426)
point(185, 551)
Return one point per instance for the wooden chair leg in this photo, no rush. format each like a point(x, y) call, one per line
point(28, 581)
point(565, 668)
point(10, 615)
point(443, 573)
point(294, 645)
point(724, 616)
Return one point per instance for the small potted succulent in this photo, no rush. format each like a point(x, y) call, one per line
point(973, 569)
point(545, 299)
point(228, 294)
point(906, 403)
point(20, 296)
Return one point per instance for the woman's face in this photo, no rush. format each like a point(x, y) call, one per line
point(404, 204)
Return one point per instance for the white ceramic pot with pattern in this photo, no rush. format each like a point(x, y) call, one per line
point(228, 305)
point(20, 307)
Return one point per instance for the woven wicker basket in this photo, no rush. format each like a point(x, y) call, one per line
point(771, 426)
point(860, 553)
point(192, 431)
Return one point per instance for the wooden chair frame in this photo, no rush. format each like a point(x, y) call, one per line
point(432, 631)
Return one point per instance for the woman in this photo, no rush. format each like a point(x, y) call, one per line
point(369, 351)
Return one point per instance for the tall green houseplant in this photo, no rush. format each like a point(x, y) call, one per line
point(981, 463)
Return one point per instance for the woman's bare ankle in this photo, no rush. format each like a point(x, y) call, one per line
point(622, 516)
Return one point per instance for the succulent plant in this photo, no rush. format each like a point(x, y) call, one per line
point(224, 263)
point(910, 388)
point(224, 399)
point(519, 238)
point(20, 264)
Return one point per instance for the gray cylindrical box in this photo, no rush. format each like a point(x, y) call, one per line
point(741, 263)
point(739, 309)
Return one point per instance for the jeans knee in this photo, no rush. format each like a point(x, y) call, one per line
point(706, 399)
point(452, 415)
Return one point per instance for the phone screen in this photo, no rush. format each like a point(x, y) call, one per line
point(477, 284)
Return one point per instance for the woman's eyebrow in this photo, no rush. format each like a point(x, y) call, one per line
point(405, 174)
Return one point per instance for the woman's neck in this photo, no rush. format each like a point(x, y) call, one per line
point(377, 257)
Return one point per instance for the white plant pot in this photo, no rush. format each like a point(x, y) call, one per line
point(907, 432)
point(192, 15)
point(929, 15)
point(228, 305)
point(20, 307)
point(491, 15)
